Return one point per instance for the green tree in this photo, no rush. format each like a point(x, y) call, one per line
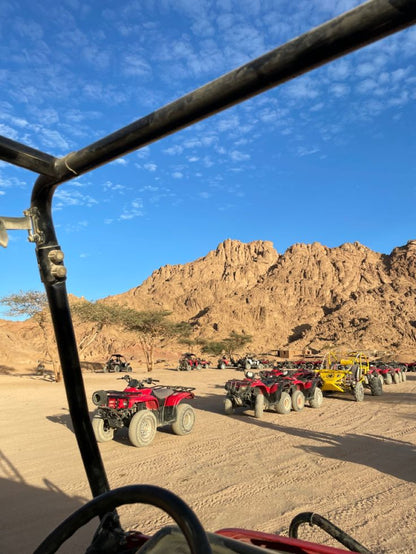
point(98, 314)
point(236, 342)
point(152, 328)
point(231, 344)
point(34, 304)
point(215, 348)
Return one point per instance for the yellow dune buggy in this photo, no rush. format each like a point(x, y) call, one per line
point(350, 373)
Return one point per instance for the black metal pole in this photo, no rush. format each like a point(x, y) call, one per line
point(27, 157)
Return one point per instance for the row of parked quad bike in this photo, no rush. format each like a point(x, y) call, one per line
point(189, 361)
point(145, 405)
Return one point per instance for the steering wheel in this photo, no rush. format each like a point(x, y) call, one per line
point(146, 494)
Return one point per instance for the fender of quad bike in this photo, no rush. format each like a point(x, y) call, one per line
point(177, 397)
point(142, 396)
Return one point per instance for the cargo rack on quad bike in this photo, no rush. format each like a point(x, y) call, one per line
point(368, 22)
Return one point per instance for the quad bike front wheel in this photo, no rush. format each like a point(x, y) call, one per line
point(396, 378)
point(228, 406)
point(142, 428)
point(185, 419)
point(102, 431)
point(317, 398)
point(388, 379)
point(259, 406)
point(298, 400)
point(285, 403)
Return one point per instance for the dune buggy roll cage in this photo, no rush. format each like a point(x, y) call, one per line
point(350, 31)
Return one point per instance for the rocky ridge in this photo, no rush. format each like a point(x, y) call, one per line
point(309, 297)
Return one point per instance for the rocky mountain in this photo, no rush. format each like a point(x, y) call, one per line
point(310, 297)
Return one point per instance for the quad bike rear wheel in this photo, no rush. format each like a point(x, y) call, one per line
point(185, 419)
point(259, 406)
point(142, 428)
point(285, 403)
point(298, 400)
point(317, 398)
point(404, 377)
point(358, 392)
point(102, 431)
point(228, 406)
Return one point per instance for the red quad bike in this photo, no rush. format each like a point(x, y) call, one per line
point(189, 362)
point(262, 391)
point(390, 373)
point(305, 385)
point(142, 408)
point(367, 23)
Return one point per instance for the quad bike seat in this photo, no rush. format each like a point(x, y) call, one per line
point(163, 392)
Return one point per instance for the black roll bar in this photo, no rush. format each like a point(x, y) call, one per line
point(361, 26)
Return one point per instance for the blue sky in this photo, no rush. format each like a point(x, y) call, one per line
point(328, 157)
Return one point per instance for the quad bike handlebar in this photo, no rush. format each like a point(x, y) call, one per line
point(136, 383)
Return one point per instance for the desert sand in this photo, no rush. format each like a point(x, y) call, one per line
point(353, 463)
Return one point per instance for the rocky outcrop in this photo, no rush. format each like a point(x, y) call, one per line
point(311, 296)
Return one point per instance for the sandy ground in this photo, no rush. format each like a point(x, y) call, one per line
point(353, 463)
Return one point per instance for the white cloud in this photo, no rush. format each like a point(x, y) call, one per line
point(64, 197)
point(120, 161)
point(135, 209)
point(173, 150)
point(238, 156)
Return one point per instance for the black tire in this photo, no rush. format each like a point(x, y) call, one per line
point(404, 377)
point(298, 400)
point(285, 403)
point(358, 392)
point(376, 387)
point(199, 366)
point(222, 366)
point(105, 369)
point(259, 406)
point(317, 398)
point(388, 379)
point(247, 365)
point(381, 379)
point(142, 428)
point(228, 406)
point(185, 420)
point(117, 368)
point(396, 378)
point(102, 431)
